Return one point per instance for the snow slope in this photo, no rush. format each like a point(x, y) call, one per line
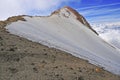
point(63, 31)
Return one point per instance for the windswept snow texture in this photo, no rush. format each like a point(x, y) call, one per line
point(109, 32)
point(66, 33)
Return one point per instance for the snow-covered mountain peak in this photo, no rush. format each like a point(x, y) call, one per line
point(68, 31)
point(70, 13)
point(65, 12)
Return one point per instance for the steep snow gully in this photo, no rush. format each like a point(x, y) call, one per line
point(67, 30)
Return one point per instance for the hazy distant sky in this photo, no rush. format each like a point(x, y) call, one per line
point(93, 10)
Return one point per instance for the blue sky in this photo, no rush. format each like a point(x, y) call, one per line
point(98, 11)
point(95, 11)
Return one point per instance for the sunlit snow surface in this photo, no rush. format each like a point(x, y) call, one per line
point(69, 35)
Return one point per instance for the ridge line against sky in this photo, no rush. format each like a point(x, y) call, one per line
point(94, 11)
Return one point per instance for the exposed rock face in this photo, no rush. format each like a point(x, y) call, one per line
point(78, 16)
point(10, 20)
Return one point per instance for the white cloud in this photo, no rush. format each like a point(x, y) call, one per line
point(39, 4)
point(100, 6)
point(9, 8)
point(101, 13)
point(16, 7)
point(109, 32)
point(113, 37)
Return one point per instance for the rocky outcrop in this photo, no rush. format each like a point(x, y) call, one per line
point(10, 20)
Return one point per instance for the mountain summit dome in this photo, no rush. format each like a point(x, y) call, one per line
point(68, 12)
